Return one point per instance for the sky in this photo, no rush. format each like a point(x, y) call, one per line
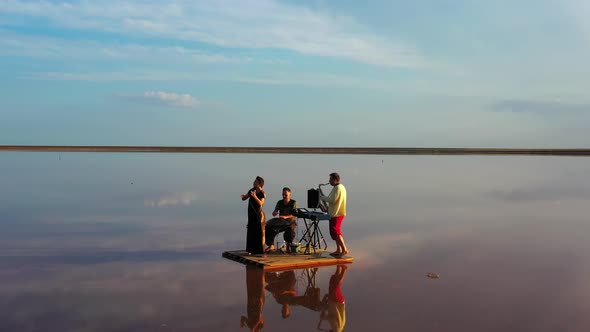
point(430, 73)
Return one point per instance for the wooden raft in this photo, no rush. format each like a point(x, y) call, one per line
point(282, 261)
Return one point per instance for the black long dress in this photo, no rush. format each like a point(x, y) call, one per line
point(256, 221)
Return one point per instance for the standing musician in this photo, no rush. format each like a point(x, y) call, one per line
point(256, 218)
point(337, 211)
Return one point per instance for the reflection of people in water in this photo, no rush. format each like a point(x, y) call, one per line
point(333, 303)
point(282, 287)
point(255, 288)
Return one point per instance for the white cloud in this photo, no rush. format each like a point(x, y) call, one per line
point(184, 100)
point(539, 106)
point(580, 11)
point(173, 199)
point(264, 24)
point(301, 79)
point(105, 76)
point(13, 44)
point(162, 98)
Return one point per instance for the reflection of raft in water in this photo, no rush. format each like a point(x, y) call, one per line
point(282, 285)
point(283, 261)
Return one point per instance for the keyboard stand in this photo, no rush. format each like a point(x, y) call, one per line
point(313, 236)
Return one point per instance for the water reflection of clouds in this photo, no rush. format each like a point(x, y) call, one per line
point(521, 277)
point(125, 233)
point(380, 249)
point(16, 257)
point(116, 296)
point(172, 199)
point(508, 260)
point(169, 275)
point(546, 193)
point(183, 295)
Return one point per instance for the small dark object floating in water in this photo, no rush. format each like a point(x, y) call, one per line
point(432, 275)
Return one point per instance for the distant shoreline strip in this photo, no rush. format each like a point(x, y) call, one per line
point(301, 150)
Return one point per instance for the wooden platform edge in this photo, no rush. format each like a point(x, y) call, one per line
point(291, 266)
point(240, 259)
point(336, 261)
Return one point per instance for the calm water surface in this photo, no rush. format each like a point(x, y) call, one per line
point(133, 242)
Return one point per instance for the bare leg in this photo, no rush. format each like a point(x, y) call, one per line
point(338, 251)
point(341, 271)
point(341, 245)
point(263, 242)
point(263, 225)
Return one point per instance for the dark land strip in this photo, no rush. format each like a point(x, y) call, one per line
point(301, 150)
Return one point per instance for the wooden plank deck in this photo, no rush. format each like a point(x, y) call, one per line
point(283, 261)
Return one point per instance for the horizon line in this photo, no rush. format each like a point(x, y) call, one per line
point(301, 150)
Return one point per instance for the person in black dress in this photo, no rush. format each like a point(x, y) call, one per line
point(256, 218)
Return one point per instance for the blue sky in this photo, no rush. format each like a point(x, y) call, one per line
point(295, 73)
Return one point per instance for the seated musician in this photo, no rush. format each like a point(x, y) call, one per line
point(284, 221)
